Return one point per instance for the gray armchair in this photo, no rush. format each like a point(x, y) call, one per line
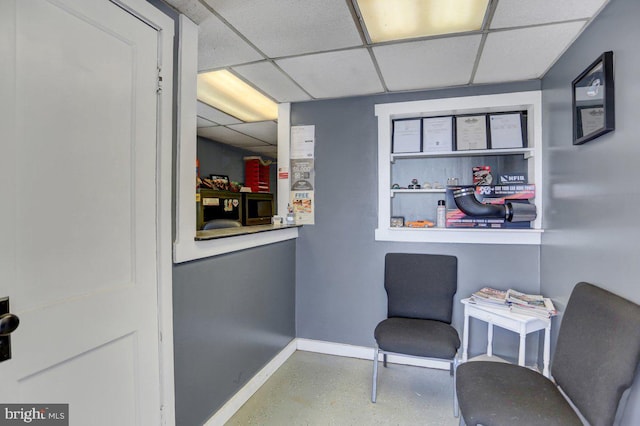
point(595, 361)
point(420, 290)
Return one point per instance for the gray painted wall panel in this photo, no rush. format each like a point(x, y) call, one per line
point(592, 198)
point(232, 314)
point(340, 295)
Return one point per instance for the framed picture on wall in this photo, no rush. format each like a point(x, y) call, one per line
point(593, 100)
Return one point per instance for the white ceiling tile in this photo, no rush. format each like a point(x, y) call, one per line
point(525, 53)
point(334, 74)
point(428, 64)
point(219, 46)
point(193, 9)
point(266, 131)
point(224, 135)
point(291, 27)
point(203, 122)
point(272, 81)
point(515, 13)
point(210, 113)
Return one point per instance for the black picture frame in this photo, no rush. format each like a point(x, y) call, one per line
point(593, 105)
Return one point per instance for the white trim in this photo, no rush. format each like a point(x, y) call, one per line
point(165, 26)
point(365, 352)
point(530, 101)
point(185, 246)
point(233, 405)
point(201, 249)
point(284, 142)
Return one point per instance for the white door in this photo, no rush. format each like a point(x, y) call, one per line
point(78, 82)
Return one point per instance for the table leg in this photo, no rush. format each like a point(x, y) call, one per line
point(465, 335)
point(523, 343)
point(547, 349)
point(489, 338)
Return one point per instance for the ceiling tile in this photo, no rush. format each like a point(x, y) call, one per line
point(427, 64)
point(193, 9)
point(291, 27)
point(228, 136)
point(203, 122)
point(219, 46)
point(515, 13)
point(334, 74)
point(272, 81)
point(266, 131)
point(215, 115)
point(525, 53)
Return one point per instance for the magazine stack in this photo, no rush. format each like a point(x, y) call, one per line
point(515, 301)
point(490, 297)
point(530, 304)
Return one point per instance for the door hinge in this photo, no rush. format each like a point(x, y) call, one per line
point(159, 88)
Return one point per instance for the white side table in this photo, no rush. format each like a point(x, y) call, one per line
point(504, 318)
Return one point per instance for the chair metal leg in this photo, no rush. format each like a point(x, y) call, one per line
point(375, 374)
point(456, 408)
point(384, 360)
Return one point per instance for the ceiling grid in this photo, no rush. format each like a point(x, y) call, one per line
point(295, 51)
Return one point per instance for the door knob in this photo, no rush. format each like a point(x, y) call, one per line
point(8, 324)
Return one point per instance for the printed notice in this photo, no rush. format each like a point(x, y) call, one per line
point(471, 132)
point(506, 131)
point(437, 134)
point(303, 139)
point(406, 136)
point(303, 207)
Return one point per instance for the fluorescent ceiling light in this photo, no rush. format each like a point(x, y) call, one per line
point(226, 92)
point(388, 20)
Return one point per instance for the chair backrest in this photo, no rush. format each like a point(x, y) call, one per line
point(420, 285)
point(597, 351)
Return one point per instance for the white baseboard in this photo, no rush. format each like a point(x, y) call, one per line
point(229, 409)
point(318, 346)
point(364, 352)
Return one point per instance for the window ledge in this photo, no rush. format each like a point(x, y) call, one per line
point(221, 241)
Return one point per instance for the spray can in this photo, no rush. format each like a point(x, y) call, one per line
point(441, 214)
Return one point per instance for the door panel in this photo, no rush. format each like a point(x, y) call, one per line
point(80, 252)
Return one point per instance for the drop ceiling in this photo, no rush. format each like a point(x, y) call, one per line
point(294, 50)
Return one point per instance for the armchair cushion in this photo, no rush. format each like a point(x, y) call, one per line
point(417, 337)
point(500, 394)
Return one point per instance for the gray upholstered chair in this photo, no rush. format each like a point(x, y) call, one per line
point(420, 290)
point(595, 360)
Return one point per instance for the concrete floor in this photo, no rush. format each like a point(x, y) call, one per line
point(317, 389)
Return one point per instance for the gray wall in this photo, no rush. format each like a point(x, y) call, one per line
point(339, 270)
point(592, 198)
point(232, 314)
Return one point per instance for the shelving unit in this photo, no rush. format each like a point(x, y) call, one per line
point(386, 113)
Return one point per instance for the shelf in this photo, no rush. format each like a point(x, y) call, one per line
point(527, 152)
point(418, 191)
point(529, 101)
point(468, 236)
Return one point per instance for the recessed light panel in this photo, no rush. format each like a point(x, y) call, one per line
point(404, 19)
point(226, 92)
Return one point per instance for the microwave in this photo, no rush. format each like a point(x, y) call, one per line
point(257, 208)
point(218, 206)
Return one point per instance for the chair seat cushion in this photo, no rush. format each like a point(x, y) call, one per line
point(499, 394)
point(418, 337)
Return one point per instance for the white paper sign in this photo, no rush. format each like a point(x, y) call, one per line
point(506, 131)
point(437, 134)
point(406, 136)
point(303, 139)
point(471, 132)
